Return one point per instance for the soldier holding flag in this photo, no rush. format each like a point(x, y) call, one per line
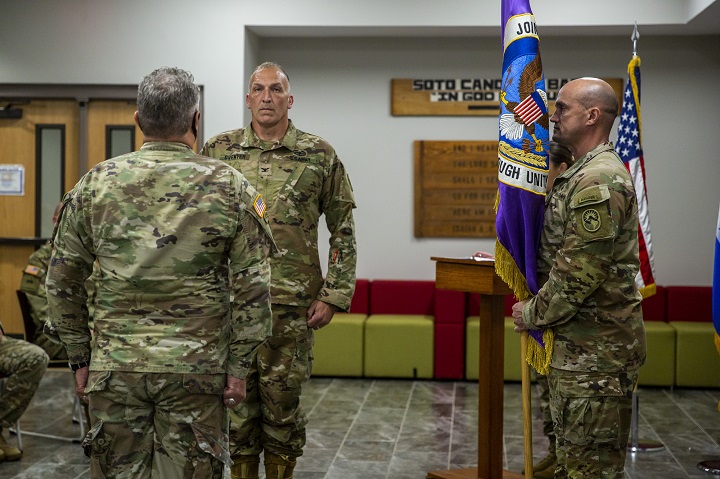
point(587, 263)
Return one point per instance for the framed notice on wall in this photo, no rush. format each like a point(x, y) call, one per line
point(455, 188)
point(12, 180)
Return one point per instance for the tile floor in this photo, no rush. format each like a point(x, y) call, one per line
point(400, 429)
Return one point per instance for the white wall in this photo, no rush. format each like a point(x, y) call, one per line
point(342, 92)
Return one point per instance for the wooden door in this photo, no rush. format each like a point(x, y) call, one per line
point(22, 143)
point(25, 218)
point(111, 124)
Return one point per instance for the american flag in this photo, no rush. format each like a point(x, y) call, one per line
point(629, 148)
point(531, 109)
point(259, 206)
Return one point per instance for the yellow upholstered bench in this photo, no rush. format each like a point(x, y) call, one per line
point(689, 312)
point(338, 349)
point(659, 367)
point(511, 350)
point(658, 371)
point(697, 363)
point(399, 331)
point(399, 345)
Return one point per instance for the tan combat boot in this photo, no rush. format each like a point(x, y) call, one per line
point(245, 467)
point(278, 466)
point(9, 453)
point(545, 469)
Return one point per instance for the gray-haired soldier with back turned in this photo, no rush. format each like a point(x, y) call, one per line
point(176, 236)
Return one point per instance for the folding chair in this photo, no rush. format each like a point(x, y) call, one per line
point(78, 412)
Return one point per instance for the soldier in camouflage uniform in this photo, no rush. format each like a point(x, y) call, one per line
point(33, 284)
point(22, 366)
point(176, 236)
point(302, 178)
point(560, 158)
point(587, 264)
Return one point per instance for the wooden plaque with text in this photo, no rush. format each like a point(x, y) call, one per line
point(455, 188)
point(464, 96)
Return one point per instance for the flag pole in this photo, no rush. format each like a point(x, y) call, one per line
point(634, 37)
point(526, 406)
point(635, 444)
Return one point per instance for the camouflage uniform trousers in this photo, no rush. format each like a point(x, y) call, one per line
point(271, 417)
point(591, 414)
point(544, 394)
point(159, 425)
point(23, 365)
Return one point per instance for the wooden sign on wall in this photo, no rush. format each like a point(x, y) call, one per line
point(455, 188)
point(464, 96)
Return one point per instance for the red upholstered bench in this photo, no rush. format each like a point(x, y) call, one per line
point(449, 310)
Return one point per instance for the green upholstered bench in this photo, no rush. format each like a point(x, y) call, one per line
point(338, 349)
point(400, 330)
point(659, 370)
point(399, 345)
point(689, 312)
point(511, 350)
point(697, 363)
point(659, 367)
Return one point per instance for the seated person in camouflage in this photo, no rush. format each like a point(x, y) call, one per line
point(182, 300)
point(33, 284)
point(22, 366)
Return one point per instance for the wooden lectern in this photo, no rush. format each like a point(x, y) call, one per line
point(474, 276)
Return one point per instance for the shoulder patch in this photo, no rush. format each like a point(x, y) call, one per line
point(590, 196)
point(33, 270)
point(591, 220)
point(259, 205)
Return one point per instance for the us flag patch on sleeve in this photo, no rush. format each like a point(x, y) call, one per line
point(259, 206)
point(34, 270)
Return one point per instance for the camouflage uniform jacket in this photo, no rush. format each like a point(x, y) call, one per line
point(587, 264)
point(33, 284)
point(302, 178)
point(164, 224)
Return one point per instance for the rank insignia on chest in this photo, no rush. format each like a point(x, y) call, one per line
point(259, 206)
point(33, 270)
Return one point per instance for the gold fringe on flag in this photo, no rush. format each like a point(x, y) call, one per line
point(539, 357)
point(508, 271)
point(648, 291)
point(535, 355)
point(635, 62)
